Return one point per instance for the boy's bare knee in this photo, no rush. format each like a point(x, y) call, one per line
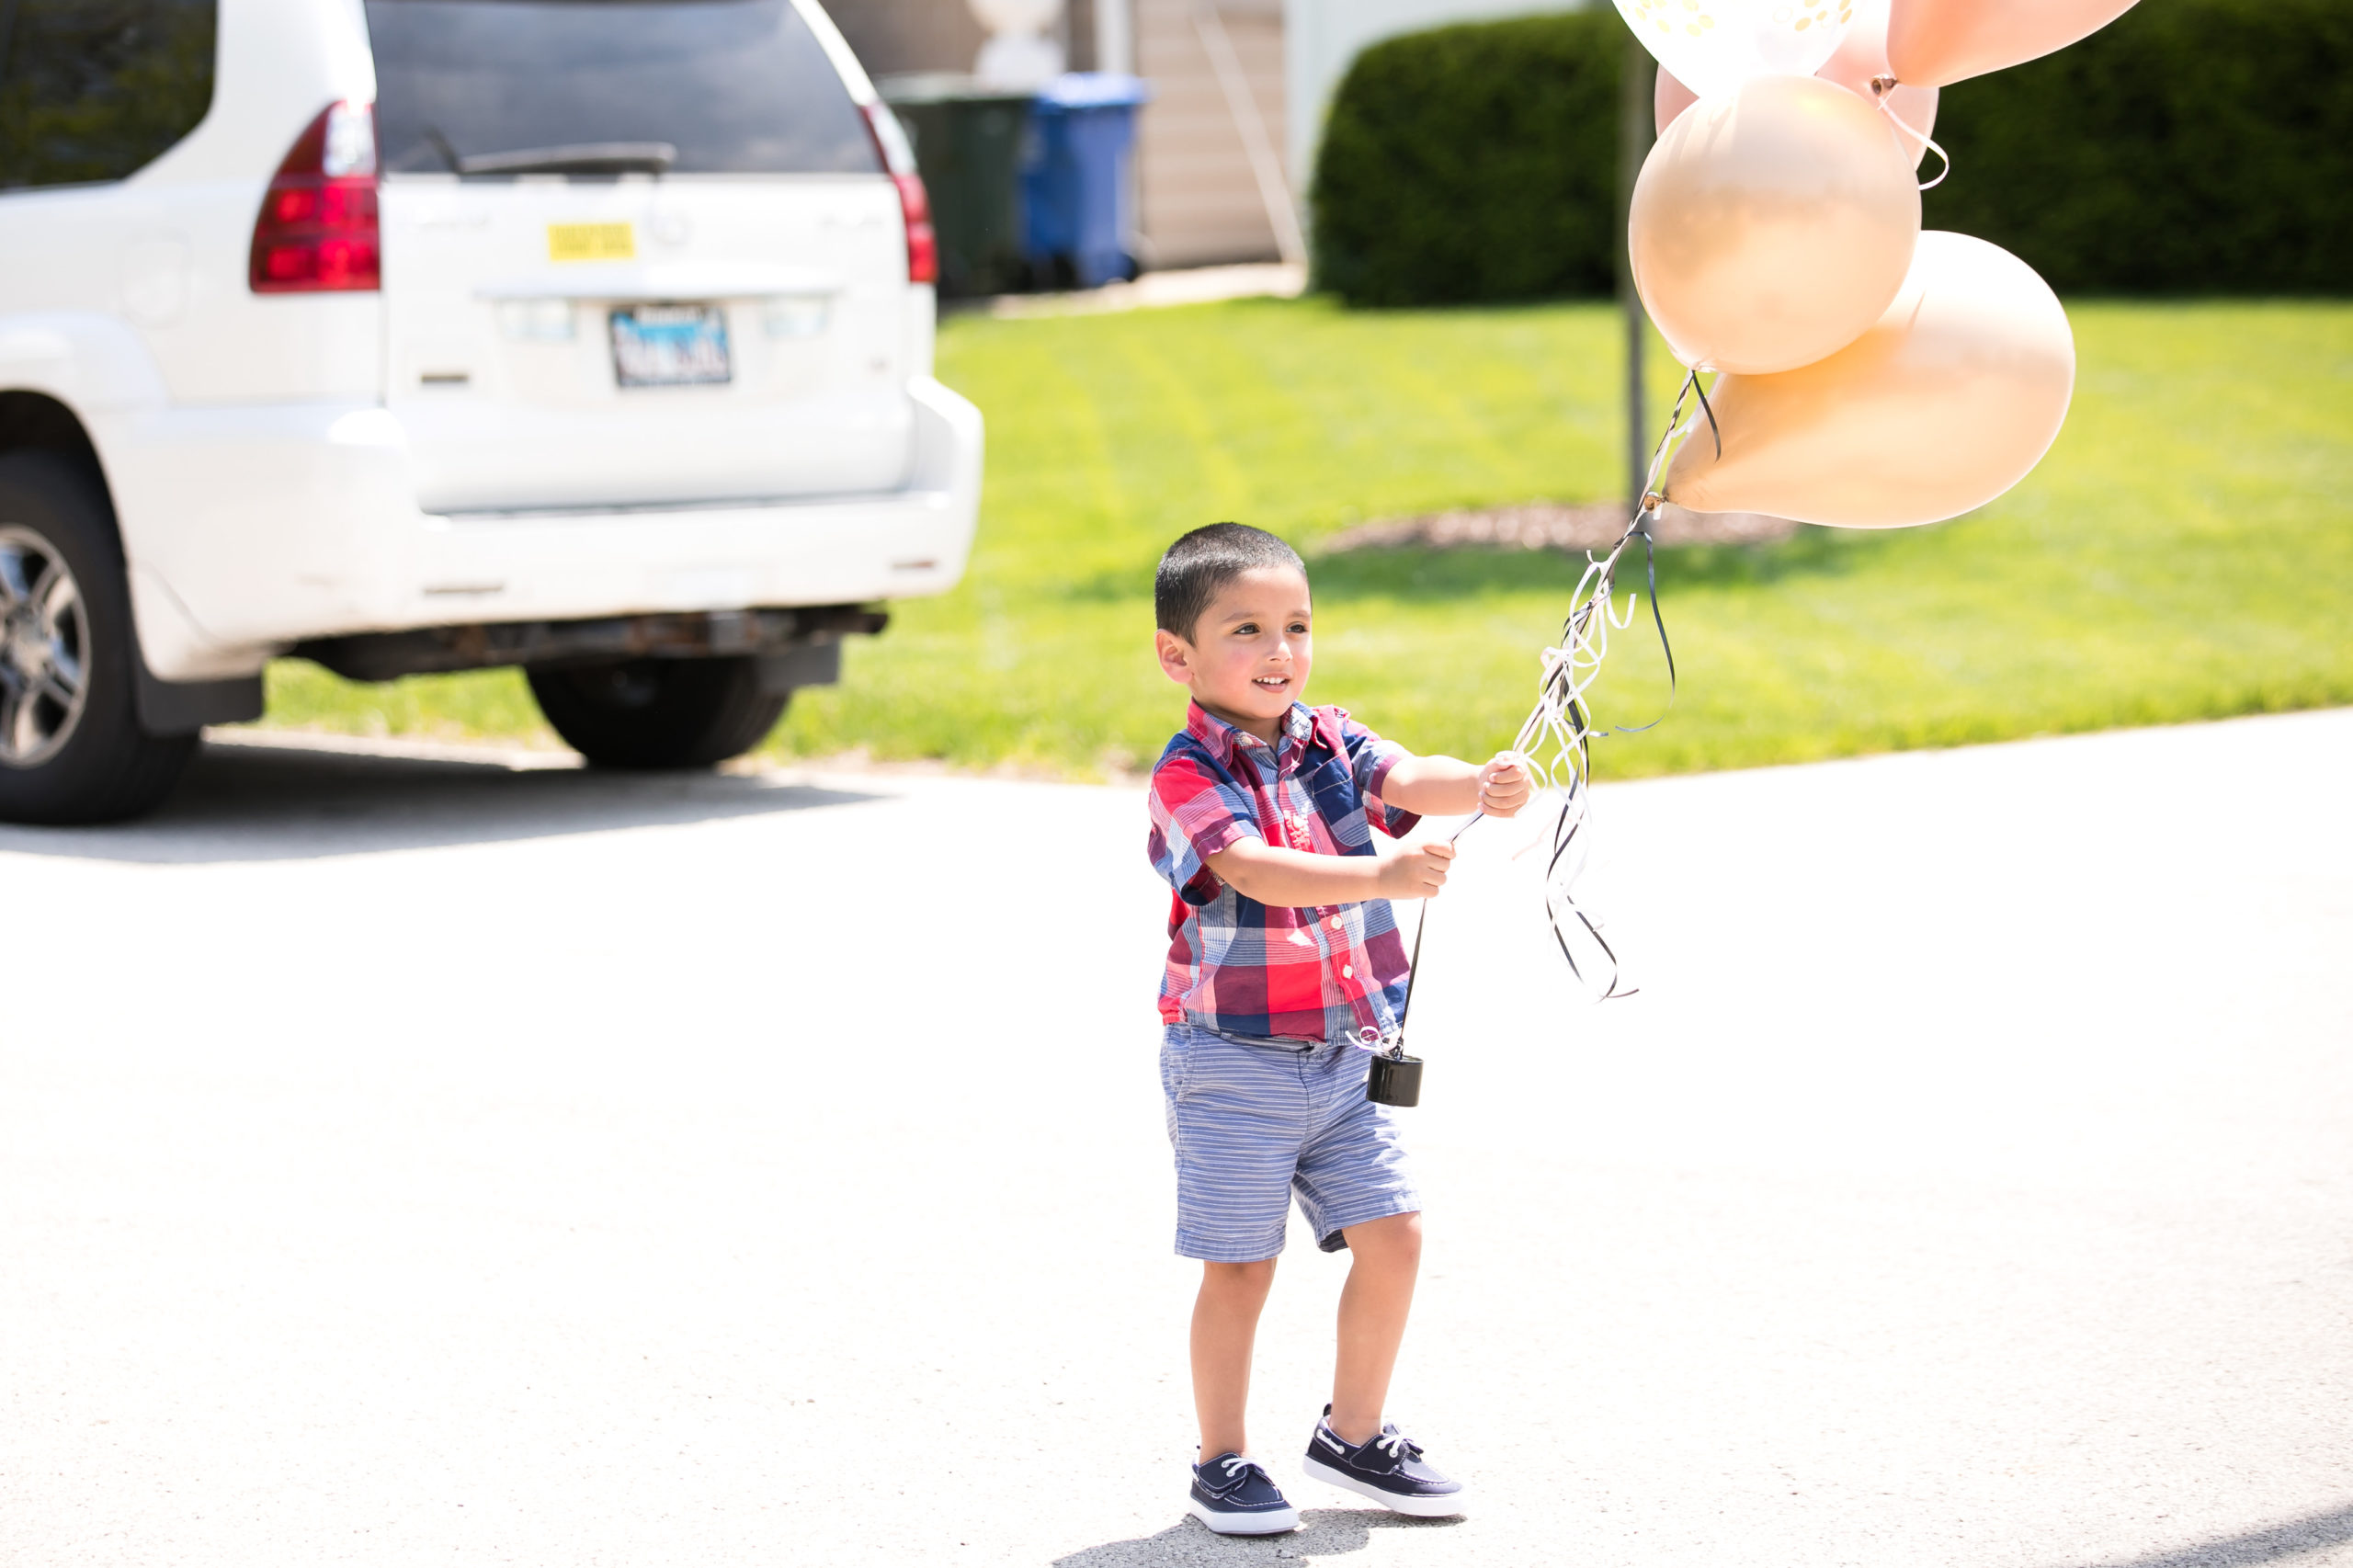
point(1393, 1239)
point(1239, 1279)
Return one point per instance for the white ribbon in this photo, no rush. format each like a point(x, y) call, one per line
point(1882, 87)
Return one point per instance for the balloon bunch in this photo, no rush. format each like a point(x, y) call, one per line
point(1871, 375)
point(1867, 374)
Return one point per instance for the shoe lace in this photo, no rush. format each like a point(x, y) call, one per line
point(1238, 1469)
point(1397, 1446)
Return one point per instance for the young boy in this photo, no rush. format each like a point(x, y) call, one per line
point(1284, 957)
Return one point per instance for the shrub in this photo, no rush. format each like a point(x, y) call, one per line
point(2194, 146)
point(1474, 162)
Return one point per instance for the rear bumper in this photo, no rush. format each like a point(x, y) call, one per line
point(251, 529)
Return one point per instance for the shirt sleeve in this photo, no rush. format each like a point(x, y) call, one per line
point(1370, 759)
point(1194, 815)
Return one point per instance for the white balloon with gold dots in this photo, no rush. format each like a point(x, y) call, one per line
point(1712, 45)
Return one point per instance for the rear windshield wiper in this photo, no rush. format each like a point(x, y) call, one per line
point(579, 158)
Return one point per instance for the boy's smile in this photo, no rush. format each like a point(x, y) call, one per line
point(1249, 655)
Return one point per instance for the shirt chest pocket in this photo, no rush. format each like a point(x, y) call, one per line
point(1332, 787)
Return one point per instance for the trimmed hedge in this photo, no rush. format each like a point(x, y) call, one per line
point(2194, 146)
point(1474, 162)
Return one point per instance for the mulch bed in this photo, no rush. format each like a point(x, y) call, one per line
point(1547, 525)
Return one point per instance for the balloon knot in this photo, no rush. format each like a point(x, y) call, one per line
point(1882, 86)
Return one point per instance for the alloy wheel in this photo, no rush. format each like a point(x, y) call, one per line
point(44, 649)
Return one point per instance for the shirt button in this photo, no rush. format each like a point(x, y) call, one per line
point(1347, 972)
point(1335, 922)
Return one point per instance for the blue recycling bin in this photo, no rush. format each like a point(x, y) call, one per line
point(1075, 185)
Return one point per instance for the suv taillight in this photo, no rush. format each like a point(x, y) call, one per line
point(317, 228)
point(923, 240)
point(914, 202)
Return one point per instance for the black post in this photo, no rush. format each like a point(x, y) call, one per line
point(1634, 136)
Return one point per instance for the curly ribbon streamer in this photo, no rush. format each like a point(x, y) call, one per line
point(1555, 741)
point(1883, 85)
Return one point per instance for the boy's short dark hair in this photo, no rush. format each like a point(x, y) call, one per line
point(1206, 560)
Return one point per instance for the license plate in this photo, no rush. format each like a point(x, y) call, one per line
point(670, 346)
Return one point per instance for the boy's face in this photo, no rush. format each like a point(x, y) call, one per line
point(1249, 654)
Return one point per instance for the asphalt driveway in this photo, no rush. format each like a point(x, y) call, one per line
point(438, 1161)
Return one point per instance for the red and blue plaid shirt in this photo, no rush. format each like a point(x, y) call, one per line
point(1247, 968)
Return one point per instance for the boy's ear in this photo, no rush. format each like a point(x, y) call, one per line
point(1175, 656)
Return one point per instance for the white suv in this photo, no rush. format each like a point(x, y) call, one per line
point(593, 336)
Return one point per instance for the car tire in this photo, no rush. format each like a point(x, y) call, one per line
point(71, 746)
point(652, 713)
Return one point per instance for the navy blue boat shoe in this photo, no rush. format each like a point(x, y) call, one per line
point(1235, 1496)
point(1387, 1467)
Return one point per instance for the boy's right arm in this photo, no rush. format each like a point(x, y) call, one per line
point(1295, 878)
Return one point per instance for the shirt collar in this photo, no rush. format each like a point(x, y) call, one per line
point(1300, 725)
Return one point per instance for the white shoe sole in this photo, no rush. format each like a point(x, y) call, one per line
point(1419, 1507)
point(1279, 1523)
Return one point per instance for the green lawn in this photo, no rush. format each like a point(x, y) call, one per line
point(2186, 551)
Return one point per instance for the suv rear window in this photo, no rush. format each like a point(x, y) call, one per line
point(98, 89)
point(699, 86)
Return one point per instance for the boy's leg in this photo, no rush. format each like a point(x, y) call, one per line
point(1237, 1112)
point(1352, 1448)
point(1386, 1256)
point(1225, 1327)
point(1354, 1181)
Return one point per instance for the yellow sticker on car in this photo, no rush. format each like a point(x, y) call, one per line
point(592, 242)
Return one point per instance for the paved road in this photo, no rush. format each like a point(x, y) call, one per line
point(410, 1162)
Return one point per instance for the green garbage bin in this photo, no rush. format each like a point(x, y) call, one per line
point(969, 141)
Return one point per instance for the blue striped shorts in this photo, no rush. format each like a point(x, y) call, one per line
point(1254, 1120)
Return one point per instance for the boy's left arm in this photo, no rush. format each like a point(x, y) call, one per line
point(1449, 787)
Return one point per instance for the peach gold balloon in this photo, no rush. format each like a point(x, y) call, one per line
point(1949, 401)
point(1772, 224)
point(1934, 43)
point(1861, 55)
